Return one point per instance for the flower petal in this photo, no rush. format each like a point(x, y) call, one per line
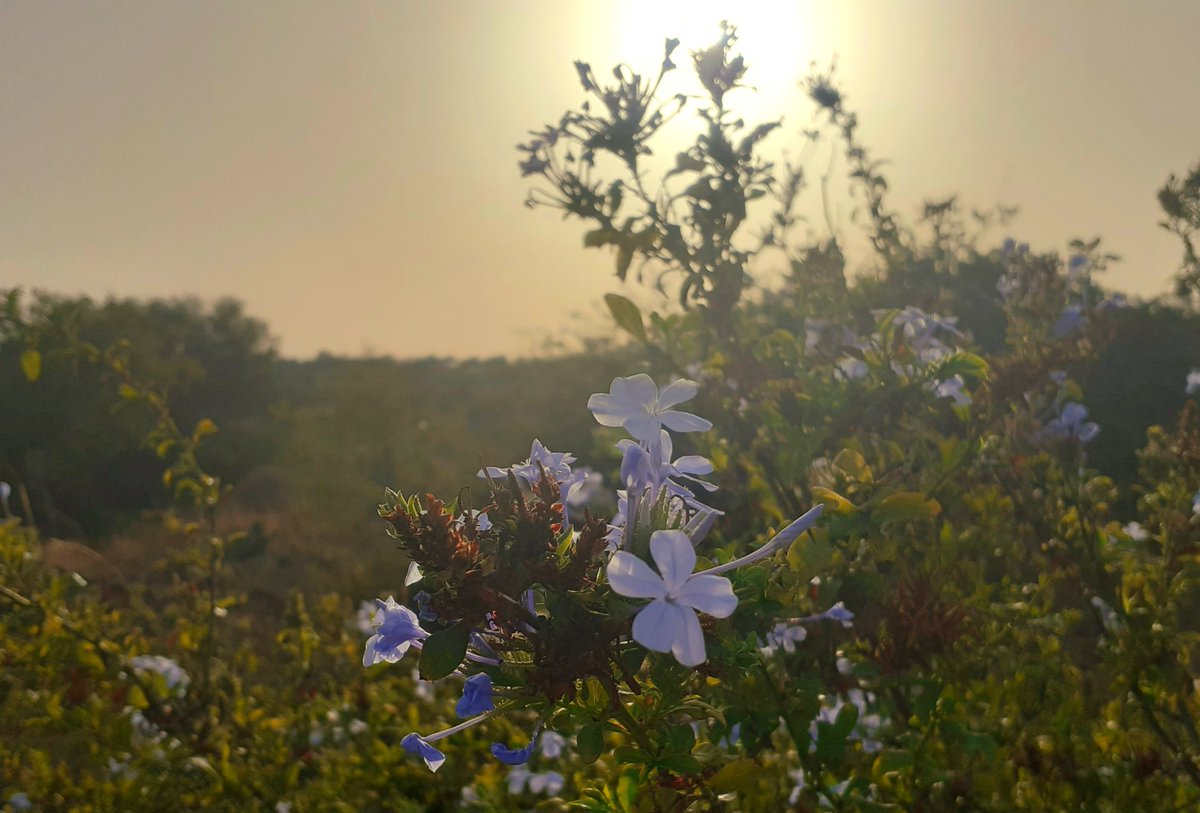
point(657, 625)
point(688, 647)
point(676, 393)
point(675, 557)
point(631, 577)
point(609, 411)
point(684, 421)
point(643, 426)
point(694, 464)
point(709, 594)
point(639, 390)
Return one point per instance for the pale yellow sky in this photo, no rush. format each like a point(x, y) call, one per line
point(348, 169)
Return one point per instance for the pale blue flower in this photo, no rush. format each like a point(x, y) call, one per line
point(1071, 319)
point(784, 636)
point(172, 673)
point(476, 697)
point(669, 623)
point(1070, 424)
point(19, 801)
point(397, 629)
point(953, 388)
point(1193, 381)
point(551, 744)
point(547, 782)
point(636, 404)
point(1196, 503)
point(416, 744)
point(556, 464)
point(852, 369)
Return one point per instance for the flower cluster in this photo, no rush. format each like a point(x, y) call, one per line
point(524, 597)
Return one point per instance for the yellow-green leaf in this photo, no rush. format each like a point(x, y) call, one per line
point(833, 501)
point(853, 465)
point(739, 775)
point(907, 505)
point(626, 315)
point(31, 364)
point(205, 427)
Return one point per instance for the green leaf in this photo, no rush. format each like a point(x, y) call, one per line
point(905, 506)
point(589, 742)
point(626, 315)
point(739, 775)
point(443, 652)
point(892, 760)
point(680, 763)
point(31, 364)
point(967, 365)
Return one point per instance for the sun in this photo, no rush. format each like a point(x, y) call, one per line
point(778, 40)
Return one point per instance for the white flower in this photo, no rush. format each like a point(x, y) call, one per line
point(669, 622)
point(1193, 382)
point(636, 404)
point(1137, 532)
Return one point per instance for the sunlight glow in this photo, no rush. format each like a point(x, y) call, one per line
point(778, 38)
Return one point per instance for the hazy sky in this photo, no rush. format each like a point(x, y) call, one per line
point(348, 169)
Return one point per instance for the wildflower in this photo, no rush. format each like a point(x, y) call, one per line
point(837, 612)
point(171, 672)
point(785, 637)
point(548, 782)
point(416, 744)
point(669, 622)
point(1196, 503)
point(1137, 532)
point(421, 746)
point(512, 756)
point(1070, 320)
point(1070, 424)
point(357, 726)
point(636, 404)
point(20, 801)
point(853, 369)
point(1008, 285)
point(953, 388)
point(476, 697)
point(555, 464)
point(397, 629)
point(362, 619)
point(1193, 382)
point(517, 778)
point(551, 744)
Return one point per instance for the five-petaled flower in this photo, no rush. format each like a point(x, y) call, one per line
point(636, 404)
point(396, 629)
point(669, 622)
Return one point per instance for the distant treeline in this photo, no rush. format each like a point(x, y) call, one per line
point(331, 433)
